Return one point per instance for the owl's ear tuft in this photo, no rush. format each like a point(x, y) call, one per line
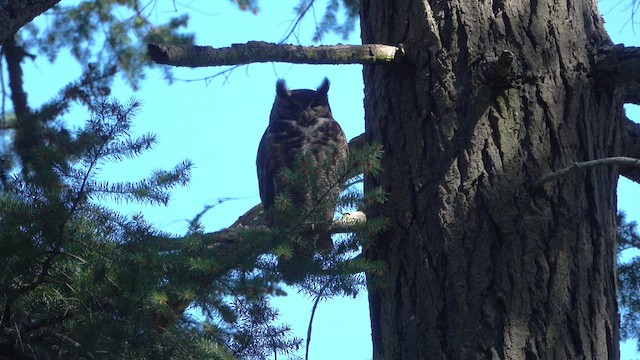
point(324, 87)
point(281, 89)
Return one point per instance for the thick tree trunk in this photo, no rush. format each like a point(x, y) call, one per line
point(480, 266)
point(16, 14)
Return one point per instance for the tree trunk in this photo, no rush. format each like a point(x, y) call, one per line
point(481, 266)
point(16, 14)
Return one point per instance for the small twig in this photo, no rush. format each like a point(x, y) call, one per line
point(621, 160)
point(296, 22)
point(313, 313)
point(68, 340)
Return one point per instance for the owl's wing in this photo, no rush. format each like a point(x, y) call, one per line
point(266, 165)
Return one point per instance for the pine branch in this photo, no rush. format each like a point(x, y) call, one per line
point(230, 248)
point(70, 342)
point(254, 219)
point(577, 166)
point(259, 51)
point(233, 242)
point(47, 322)
point(627, 236)
point(238, 247)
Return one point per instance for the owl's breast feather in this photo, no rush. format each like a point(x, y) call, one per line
point(320, 131)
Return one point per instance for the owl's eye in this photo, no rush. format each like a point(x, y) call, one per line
point(320, 109)
point(289, 108)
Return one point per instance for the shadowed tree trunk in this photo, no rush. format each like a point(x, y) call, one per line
point(481, 266)
point(16, 14)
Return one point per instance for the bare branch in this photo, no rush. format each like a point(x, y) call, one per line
point(618, 67)
point(16, 14)
point(632, 93)
point(631, 148)
point(230, 241)
point(577, 166)
point(259, 51)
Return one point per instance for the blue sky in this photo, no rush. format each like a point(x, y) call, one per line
point(218, 124)
point(617, 15)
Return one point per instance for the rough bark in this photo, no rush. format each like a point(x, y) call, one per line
point(15, 14)
point(260, 51)
point(479, 265)
point(14, 55)
point(618, 68)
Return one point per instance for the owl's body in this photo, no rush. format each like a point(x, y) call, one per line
point(301, 128)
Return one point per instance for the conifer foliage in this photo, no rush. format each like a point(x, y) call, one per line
point(628, 271)
point(81, 281)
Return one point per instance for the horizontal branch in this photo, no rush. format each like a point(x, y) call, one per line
point(241, 243)
point(253, 219)
point(618, 67)
point(632, 93)
point(577, 166)
point(232, 242)
point(259, 51)
point(631, 148)
point(238, 245)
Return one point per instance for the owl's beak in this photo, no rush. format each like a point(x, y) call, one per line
point(307, 113)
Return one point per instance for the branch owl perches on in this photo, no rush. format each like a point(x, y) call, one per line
point(299, 161)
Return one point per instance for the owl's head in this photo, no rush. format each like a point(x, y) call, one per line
point(302, 105)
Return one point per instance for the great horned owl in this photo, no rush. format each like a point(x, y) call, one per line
point(302, 129)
